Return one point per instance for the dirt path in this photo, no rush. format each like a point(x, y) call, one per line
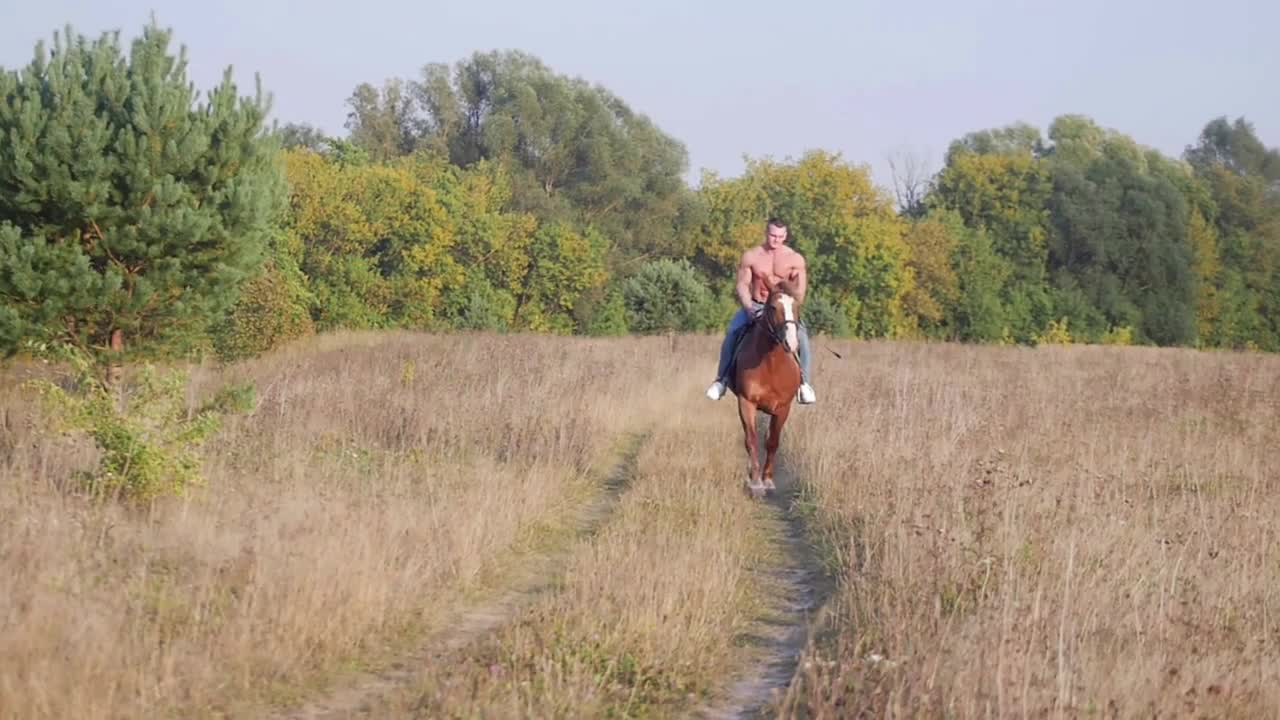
point(781, 637)
point(532, 576)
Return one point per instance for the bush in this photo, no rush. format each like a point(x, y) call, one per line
point(480, 306)
point(351, 295)
point(273, 309)
point(1057, 333)
point(151, 445)
point(820, 315)
point(665, 296)
point(609, 316)
point(1122, 335)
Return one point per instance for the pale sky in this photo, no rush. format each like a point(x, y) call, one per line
point(733, 78)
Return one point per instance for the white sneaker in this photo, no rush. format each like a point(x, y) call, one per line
point(806, 394)
point(716, 391)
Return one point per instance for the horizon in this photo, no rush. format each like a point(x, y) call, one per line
point(983, 67)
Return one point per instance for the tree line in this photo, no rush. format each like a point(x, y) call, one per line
point(139, 218)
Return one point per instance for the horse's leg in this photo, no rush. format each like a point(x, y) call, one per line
point(747, 413)
point(771, 445)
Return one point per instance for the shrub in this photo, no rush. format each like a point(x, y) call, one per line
point(273, 308)
point(1122, 335)
point(609, 316)
point(666, 295)
point(1056, 334)
point(821, 315)
point(150, 445)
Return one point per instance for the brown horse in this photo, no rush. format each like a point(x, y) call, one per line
point(766, 378)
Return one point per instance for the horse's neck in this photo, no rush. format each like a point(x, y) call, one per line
point(762, 340)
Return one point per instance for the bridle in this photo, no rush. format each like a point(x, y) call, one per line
point(778, 333)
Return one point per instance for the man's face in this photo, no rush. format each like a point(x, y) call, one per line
point(774, 236)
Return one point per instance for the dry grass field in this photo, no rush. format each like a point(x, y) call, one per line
point(484, 526)
point(1049, 532)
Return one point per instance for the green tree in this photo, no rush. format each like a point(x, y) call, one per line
point(606, 316)
point(1235, 146)
point(576, 151)
point(1120, 223)
point(1001, 187)
point(302, 135)
point(128, 211)
point(383, 123)
point(1017, 140)
point(979, 313)
point(477, 305)
point(1243, 180)
point(821, 315)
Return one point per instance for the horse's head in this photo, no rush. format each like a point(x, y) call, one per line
point(781, 314)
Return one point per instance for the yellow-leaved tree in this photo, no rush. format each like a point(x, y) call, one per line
point(844, 225)
point(375, 240)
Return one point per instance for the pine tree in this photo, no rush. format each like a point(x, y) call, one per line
point(130, 212)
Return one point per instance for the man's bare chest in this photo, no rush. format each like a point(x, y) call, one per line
point(774, 267)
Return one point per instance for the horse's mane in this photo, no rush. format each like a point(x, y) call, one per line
point(785, 287)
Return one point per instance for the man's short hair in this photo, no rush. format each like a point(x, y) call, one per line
point(776, 222)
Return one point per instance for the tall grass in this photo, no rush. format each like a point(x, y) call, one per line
point(650, 616)
point(378, 477)
point(1060, 531)
point(1064, 531)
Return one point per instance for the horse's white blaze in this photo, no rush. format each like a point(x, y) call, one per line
point(789, 313)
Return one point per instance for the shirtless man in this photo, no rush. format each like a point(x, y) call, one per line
point(773, 259)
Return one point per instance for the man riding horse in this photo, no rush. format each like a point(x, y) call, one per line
point(770, 262)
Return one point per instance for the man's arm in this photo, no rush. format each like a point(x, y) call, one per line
point(800, 278)
point(744, 282)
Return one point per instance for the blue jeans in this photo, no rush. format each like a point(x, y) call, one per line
point(739, 322)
